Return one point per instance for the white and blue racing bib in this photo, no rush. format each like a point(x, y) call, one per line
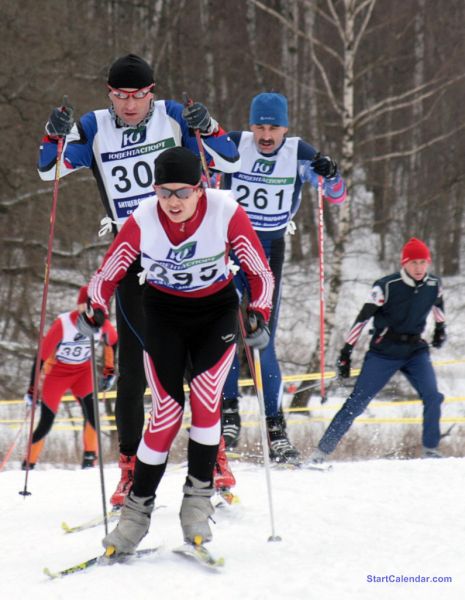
point(265, 185)
point(196, 263)
point(126, 158)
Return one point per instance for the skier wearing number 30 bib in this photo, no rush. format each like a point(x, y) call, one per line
point(120, 144)
point(268, 186)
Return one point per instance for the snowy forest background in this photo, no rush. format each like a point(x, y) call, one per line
point(377, 84)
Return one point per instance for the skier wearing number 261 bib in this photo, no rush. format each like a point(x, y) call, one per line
point(268, 186)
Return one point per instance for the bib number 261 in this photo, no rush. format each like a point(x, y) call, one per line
point(259, 199)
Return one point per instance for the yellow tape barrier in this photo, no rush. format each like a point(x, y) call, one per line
point(248, 382)
point(60, 423)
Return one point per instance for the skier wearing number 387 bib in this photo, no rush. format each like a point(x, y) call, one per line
point(65, 362)
point(120, 144)
point(268, 186)
point(184, 235)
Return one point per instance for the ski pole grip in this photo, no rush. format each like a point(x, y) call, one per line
point(187, 100)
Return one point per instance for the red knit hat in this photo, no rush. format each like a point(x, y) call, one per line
point(415, 250)
point(82, 296)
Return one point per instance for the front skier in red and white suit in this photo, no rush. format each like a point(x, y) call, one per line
point(184, 235)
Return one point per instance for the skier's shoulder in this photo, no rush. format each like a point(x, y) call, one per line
point(433, 280)
point(223, 200)
point(171, 107)
point(88, 123)
point(387, 282)
point(236, 136)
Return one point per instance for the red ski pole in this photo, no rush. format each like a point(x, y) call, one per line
point(15, 441)
point(48, 263)
point(322, 288)
point(187, 102)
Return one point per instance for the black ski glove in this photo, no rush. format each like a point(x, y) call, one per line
point(61, 120)
point(324, 166)
point(344, 362)
point(258, 334)
point(89, 322)
point(106, 383)
point(197, 116)
point(439, 335)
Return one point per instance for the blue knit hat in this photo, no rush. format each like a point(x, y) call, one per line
point(269, 108)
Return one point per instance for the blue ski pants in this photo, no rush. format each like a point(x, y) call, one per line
point(271, 373)
point(376, 371)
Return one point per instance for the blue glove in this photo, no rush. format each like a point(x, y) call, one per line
point(258, 334)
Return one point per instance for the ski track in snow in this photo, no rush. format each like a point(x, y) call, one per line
point(375, 517)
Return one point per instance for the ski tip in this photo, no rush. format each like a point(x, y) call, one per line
point(46, 571)
point(232, 454)
point(66, 528)
point(219, 562)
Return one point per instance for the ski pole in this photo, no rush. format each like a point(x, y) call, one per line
point(48, 263)
point(322, 289)
point(15, 441)
point(98, 430)
point(266, 459)
point(188, 102)
point(248, 353)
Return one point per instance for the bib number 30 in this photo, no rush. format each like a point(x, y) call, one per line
point(142, 175)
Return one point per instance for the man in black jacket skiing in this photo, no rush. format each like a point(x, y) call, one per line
point(399, 305)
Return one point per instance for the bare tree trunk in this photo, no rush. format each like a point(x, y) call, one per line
point(209, 86)
point(344, 215)
point(252, 36)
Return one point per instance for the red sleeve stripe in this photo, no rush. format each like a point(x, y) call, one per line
point(247, 254)
point(438, 315)
point(123, 256)
point(355, 333)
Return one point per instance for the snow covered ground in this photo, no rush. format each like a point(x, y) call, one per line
point(379, 518)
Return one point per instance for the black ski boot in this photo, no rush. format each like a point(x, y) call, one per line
point(89, 460)
point(281, 449)
point(231, 421)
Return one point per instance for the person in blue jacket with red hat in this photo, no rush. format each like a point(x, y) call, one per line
point(399, 305)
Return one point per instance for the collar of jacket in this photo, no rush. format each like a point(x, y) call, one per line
point(120, 123)
point(410, 281)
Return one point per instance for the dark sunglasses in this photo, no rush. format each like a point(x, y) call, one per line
point(183, 193)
